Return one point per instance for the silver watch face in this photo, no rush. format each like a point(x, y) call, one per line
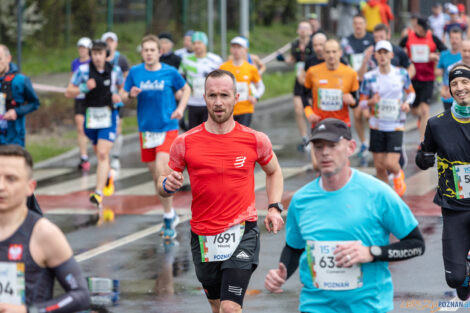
point(375, 250)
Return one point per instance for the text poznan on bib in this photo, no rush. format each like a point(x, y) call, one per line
point(325, 274)
point(220, 247)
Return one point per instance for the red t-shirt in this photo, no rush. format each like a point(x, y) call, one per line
point(221, 172)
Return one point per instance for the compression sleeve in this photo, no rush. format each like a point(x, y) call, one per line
point(355, 95)
point(407, 248)
point(260, 88)
point(76, 297)
point(290, 258)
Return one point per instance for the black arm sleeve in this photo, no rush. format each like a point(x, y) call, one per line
point(403, 42)
point(407, 248)
point(76, 297)
point(290, 258)
point(439, 44)
point(355, 95)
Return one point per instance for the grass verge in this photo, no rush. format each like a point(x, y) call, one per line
point(45, 145)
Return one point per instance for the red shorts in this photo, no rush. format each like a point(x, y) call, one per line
point(149, 155)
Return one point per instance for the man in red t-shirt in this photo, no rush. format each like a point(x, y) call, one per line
point(220, 156)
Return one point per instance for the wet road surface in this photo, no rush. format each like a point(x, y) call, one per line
point(158, 277)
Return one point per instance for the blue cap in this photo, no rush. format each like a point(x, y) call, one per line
point(189, 33)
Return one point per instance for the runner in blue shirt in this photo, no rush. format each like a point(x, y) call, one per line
point(154, 85)
point(338, 226)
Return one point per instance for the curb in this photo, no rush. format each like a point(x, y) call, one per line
point(278, 103)
point(273, 105)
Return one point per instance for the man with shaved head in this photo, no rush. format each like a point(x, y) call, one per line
point(334, 87)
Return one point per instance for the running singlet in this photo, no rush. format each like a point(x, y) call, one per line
point(328, 88)
point(195, 70)
point(299, 55)
point(156, 102)
point(449, 138)
point(387, 114)
point(419, 50)
point(221, 172)
point(22, 280)
point(245, 74)
point(360, 213)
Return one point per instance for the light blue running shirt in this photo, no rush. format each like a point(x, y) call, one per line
point(365, 209)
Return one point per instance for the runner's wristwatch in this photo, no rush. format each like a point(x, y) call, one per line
point(375, 251)
point(277, 205)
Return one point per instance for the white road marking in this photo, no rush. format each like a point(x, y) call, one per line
point(40, 174)
point(122, 241)
point(84, 182)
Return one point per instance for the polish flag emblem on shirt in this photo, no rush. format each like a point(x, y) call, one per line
point(15, 252)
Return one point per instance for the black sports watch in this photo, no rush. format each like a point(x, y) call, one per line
point(375, 251)
point(277, 205)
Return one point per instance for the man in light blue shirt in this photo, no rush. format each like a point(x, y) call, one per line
point(338, 227)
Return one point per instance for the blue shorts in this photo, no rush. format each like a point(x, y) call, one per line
point(108, 134)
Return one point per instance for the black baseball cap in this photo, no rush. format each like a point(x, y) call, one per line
point(331, 129)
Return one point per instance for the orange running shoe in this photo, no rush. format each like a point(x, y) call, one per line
point(399, 184)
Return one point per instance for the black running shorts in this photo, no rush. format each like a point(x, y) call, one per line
point(245, 257)
point(387, 142)
point(423, 92)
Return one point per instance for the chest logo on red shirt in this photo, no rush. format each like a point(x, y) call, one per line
point(15, 252)
point(239, 161)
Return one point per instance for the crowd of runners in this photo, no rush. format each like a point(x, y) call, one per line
point(194, 112)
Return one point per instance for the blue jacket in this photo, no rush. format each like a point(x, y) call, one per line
point(27, 100)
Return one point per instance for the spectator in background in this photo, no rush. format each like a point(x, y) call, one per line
point(167, 55)
point(187, 45)
point(372, 13)
point(386, 13)
point(437, 20)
